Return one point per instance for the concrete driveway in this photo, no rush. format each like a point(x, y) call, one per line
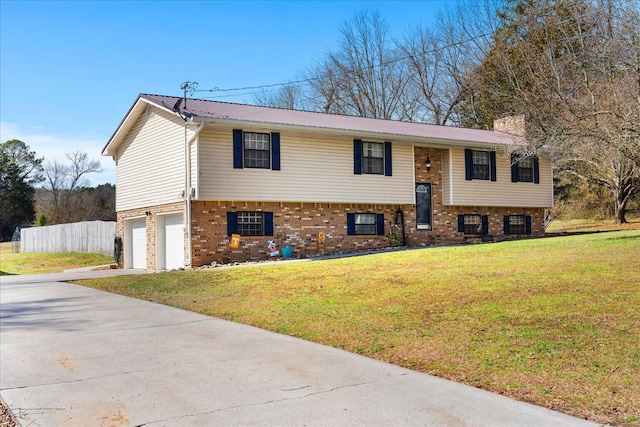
point(74, 356)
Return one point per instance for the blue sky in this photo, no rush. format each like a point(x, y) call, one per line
point(70, 70)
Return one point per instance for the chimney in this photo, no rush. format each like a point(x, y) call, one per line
point(514, 125)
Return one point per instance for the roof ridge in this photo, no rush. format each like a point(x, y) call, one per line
point(308, 111)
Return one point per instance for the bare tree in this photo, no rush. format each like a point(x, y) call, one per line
point(365, 76)
point(63, 182)
point(288, 96)
point(572, 68)
point(438, 83)
point(596, 78)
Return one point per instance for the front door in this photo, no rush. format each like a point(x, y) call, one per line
point(423, 206)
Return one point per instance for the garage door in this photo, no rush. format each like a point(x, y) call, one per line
point(173, 242)
point(139, 243)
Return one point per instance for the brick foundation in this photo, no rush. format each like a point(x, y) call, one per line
point(298, 225)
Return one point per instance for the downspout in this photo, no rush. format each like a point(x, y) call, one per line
point(187, 185)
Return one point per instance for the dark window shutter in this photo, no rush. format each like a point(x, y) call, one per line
point(351, 224)
point(506, 224)
point(380, 224)
point(514, 167)
point(357, 157)
point(232, 223)
point(536, 170)
point(492, 165)
point(268, 223)
point(485, 225)
point(237, 149)
point(275, 151)
point(468, 164)
point(527, 224)
point(387, 159)
point(460, 223)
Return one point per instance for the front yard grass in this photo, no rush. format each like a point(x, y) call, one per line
point(553, 321)
point(39, 262)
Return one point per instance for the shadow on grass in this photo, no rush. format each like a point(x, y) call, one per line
point(624, 237)
point(586, 232)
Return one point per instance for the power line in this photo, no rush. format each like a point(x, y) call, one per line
point(384, 64)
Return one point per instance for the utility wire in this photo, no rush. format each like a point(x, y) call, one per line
point(384, 64)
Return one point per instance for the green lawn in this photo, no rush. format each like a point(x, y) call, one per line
point(38, 262)
point(552, 321)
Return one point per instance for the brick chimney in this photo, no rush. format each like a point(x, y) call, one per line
point(514, 125)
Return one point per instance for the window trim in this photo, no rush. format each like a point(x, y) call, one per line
point(246, 151)
point(367, 167)
point(528, 170)
point(469, 165)
point(358, 158)
point(476, 172)
point(267, 223)
point(378, 224)
point(243, 227)
point(472, 227)
point(467, 231)
point(239, 160)
point(360, 226)
point(526, 224)
point(515, 168)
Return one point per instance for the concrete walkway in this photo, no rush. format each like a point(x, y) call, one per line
point(74, 356)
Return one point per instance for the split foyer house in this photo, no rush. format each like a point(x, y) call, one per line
point(192, 175)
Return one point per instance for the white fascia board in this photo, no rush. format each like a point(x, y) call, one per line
point(138, 107)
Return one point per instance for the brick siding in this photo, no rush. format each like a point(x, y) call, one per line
point(298, 224)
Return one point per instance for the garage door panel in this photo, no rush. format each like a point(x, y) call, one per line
point(139, 244)
point(174, 241)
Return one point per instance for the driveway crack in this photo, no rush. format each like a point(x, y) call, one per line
point(268, 402)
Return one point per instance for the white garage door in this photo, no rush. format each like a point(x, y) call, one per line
point(139, 243)
point(173, 241)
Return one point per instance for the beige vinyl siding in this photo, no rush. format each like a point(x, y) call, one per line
point(193, 152)
point(315, 167)
point(150, 162)
point(502, 192)
point(446, 177)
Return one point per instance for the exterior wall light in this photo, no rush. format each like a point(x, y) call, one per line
point(428, 164)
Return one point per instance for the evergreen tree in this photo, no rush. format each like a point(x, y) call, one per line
point(20, 170)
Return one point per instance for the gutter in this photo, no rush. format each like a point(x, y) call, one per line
point(187, 183)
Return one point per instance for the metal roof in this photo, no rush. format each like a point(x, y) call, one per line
point(200, 109)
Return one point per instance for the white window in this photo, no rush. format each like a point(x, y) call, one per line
point(516, 224)
point(472, 224)
point(366, 223)
point(481, 165)
point(373, 158)
point(525, 170)
point(250, 224)
point(257, 150)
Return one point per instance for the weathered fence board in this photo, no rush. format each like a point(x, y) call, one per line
point(88, 236)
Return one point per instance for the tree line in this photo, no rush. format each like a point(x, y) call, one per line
point(35, 192)
point(571, 67)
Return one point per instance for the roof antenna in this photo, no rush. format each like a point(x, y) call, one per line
point(187, 86)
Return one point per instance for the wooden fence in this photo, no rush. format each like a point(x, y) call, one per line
point(88, 236)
